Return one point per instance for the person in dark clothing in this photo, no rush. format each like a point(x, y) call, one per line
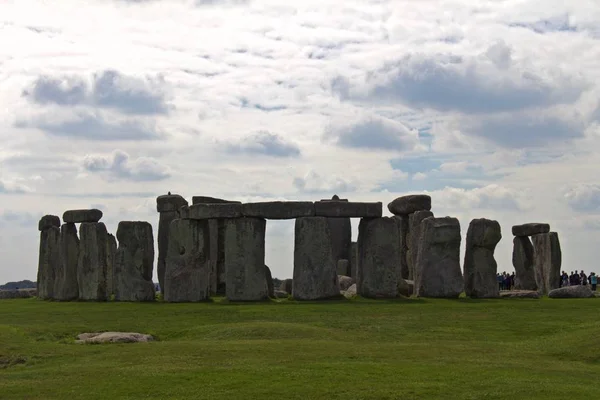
point(583, 278)
point(576, 278)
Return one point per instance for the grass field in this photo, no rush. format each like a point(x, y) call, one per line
point(355, 349)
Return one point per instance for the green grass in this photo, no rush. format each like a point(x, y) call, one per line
point(357, 349)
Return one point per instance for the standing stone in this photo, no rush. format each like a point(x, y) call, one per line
point(438, 271)
point(49, 256)
point(66, 286)
point(480, 267)
point(343, 267)
point(187, 273)
point(168, 206)
point(269, 279)
point(315, 275)
point(547, 260)
point(522, 260)
point(402, 221)
point(379, 255)
point(245, 259)
point(92, 261)
point(134, 262)
point(414, 238)
point(353, 259)
point(111, 254)
point(341, 234)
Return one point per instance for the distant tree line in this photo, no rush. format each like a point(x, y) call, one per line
point(18, 285)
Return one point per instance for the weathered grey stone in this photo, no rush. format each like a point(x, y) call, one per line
point(345, 282)
point(66, 286)
point(184, 212)
point(341, 237)
point(411, 286)
point(438, 272)
point(164, 223)
point(343, 267)
point(76, 216)
point(245, 259)
point(409, 204)
point(379, 255)
point(521, 294)
point(48, 221)
point(213, 257)
point(216, 210)
point(413, 239)
point(211, 200)
point(480, 266)
point(531, 229)
point(92, 261)
point(353, 259)
point(269, 279)
point(134, 262)
point(170, 203)
point(187, 273)
point(571, 292)
point(286, 286)
point(113, 337)
point(335, 197)
point(402, 221)
point(315, 275)
point(221, 246)
point(49, 262)
point(522, 260)
point(111, 253)
point(350, 292)
point(547, 259)
point(279, 209)
point(348, 209)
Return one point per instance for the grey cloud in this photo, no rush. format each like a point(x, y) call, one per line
point(313, 182)
point(558, 23)
point(373, 133)
point(13, 188)
point(222, 2)
point(93, 127)
point(584, 198)
point(109, 89)
point(119, 166)
point(265, 143)
point(19, 218)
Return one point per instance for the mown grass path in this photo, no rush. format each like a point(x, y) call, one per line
point(358, 349)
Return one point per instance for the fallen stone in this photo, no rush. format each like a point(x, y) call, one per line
point(280, 294)
point(134, 262)
point(353, 259)
point(480, 266)
point(170, 203)
point(111, 253)
point(211, 200)
point(414, 238)
point(350, 292)
point(245, 259)
point(348, 209)
point(279, 209)
point(217, 210)
point(409, 204)
point(269, 279)
point(286, 286)
point(66, 286)
point(345, 282)
point(113, 337)
point(379, 254)
point(571, 292)
point(530, 229)
point(522, 260)
point(547, 261)
point(17, 294)
point(187, 273)
point(49, 263)
point(438, 272)
point(77, 216)
point(315, 275)
point(48, 221)
point(343, 267)
point(92, 261)
point(523, 294)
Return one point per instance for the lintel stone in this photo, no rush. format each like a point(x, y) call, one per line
point(349, 209)
point(215, 210)
point(76, 216)
point(279, 209)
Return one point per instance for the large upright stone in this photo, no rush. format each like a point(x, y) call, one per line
point(168, 206)
point(438, 271)
point(409, 204)
point(480, 267)
point(522, 260)
point(66, 286)
point(315, 275)
point(353, 259)
point(187, 274)
point(245, 259)
point(402, 221)
point(92, 262)
point(111, 253)
point(379, 255)
point(269, 279)
point(49, 256)
point(76, 216)
point(341, 237)
point(547, 261)
point(134, 262)
point(414, 239)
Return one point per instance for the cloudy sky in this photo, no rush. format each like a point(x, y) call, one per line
point(491, 106)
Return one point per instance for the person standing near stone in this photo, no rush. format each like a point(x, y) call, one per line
point(593, 281)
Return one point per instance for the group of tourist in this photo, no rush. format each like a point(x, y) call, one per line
point(506, 281)
point(579, 278)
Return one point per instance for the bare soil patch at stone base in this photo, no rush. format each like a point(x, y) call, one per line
point(363, 349)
